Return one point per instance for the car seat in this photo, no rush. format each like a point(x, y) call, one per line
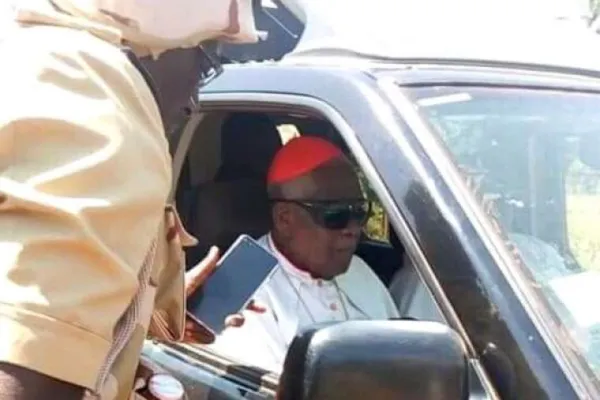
point(236, 201)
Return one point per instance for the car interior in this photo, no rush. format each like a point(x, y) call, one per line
point(221, 192)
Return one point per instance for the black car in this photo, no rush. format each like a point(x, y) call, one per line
point(483, 159)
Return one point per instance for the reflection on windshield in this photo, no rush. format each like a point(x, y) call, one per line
point(535, 156)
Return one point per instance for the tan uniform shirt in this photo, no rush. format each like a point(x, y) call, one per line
point(84, 177)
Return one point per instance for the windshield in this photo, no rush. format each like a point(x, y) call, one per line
point(533, 158)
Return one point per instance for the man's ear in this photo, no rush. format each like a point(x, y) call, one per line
point(283, 218)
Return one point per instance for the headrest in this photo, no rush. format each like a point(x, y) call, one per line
point(249, 142)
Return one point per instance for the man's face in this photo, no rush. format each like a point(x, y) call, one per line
point(322, 217)
point(176, 74)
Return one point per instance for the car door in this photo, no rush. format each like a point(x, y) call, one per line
point(429, 206)
point(359, 121)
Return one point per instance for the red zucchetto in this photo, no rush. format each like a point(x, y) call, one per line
point(300, 156)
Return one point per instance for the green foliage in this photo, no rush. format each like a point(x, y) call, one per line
point(376, 228)
point(583, 221)
point(583, 214)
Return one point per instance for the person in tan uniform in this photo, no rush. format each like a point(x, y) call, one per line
point(90, 249)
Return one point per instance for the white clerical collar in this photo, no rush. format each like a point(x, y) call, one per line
point(287, 264)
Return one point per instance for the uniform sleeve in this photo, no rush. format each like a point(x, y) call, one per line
point(84, 175)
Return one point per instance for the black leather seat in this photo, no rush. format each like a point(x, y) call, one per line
point(249, 142)
point(236, 201)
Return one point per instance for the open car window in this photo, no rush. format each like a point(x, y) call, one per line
point(533, 159)
point(204, 198)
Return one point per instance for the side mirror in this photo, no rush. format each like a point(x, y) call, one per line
point(376, 360)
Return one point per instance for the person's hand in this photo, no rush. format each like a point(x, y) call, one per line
point(237, 320)
point(194, 278)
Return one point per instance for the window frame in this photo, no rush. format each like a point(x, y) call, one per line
point(262, 102)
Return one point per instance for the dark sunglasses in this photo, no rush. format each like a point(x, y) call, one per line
point(336, 214)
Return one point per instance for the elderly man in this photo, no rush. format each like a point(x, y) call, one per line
point(90, 250)
point(318, 211)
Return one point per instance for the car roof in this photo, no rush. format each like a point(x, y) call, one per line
point(341, 32)
point(303, 79)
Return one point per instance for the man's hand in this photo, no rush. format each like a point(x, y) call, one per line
point(194, 279)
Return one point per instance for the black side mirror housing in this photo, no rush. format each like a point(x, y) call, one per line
point(376, 360)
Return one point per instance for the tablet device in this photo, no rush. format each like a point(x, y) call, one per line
point(229, 289)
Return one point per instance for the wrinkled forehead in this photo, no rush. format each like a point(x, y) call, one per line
point(334, 180)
